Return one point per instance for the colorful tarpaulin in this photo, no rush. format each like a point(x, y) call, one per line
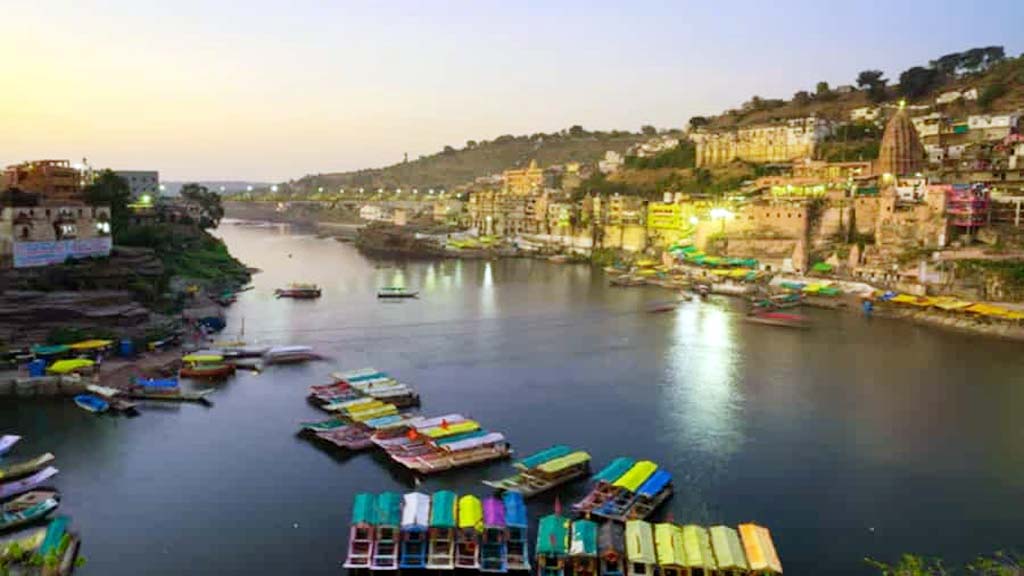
point(759, 548)
point(584, 538)
point(725, 542)
point(669, 543)
point(442, 509)
point(614, 470)
point(640, 542)
point(636, 475)
point(567, 461)
point(553, 535)
point(697, 543)
point(363, 509)
point(538, 458)
point(389, 509)
point(471, 512)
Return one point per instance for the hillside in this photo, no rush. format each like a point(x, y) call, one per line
point(458, 166)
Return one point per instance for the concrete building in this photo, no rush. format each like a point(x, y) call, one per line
point(782, 142)
point(55, 181)
point(611, 163)
point(141, 182)
point(993, 126)
point(524, 181)
point(866, 114)
point(51, 234)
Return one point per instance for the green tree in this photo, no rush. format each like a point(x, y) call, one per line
point(698, 122)
point(802, 98)
point(210, 209)
point(109, 189)
point(576, 131)
point(990, 94)
point(648, 130)
point(918, 81)
point(872, 81)
point(822, 88)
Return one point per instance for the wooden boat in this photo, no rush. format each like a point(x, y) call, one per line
point(699, 558)
point(15, 487)
point(298, 291)
point(20, 545)
point(91, 403)
point(545, 470)
point(490, 446)
point(7, 441)
point(414, 529)
point(627, 280)
point(349, 437)
point(611, 540)
point(517, 524)
point(779, 319)
point(615, 507)
point(658, 307)
point(640, 555)
point(29, 507)
point(169, 394)
point(112, 396)
point(289, 355)
point(386, 531)
point(19, 469)
point(322, 425)
point(494, 540)
point(467, 537)
point(729, 554)
point(60, 545)
point(583, 548)
point(651, 494)
point(396, 292)
point(671, 553)
point(552, 545)
point(441, 537)
point(361, 532)
point(205, 366)
point(759, 549)
point(602, 489)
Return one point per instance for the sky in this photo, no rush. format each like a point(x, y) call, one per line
point(274, 90)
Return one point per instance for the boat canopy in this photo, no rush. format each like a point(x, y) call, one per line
point(461, 437)
point(725, 542)
point(91, 344)
point(442, 510)
point(471, 512)
point(515, 509)
point(364, 377)
point(436, 421)
point(760, 550)
point(362, 509)
point(636, 475)
point(494, 512)
point(415, 510)
point(583, 541)
point(640, 542)
point(612, 540)
point(567, 461)
point(552, 535)
point(698, 547)
point(614, 470)
point(655, 484)
point(450, 429)
point(546, 455)
point(50, 350)
point(668, 540)
point(485, 440)
point(68, 366)
point(389, 509)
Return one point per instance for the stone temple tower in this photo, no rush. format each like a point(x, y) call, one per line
point(901, 152)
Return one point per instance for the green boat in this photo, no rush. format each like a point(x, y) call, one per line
point(583, 548)
point(441, 533)
point(552, 545)
point(361, 533)
point(23, 515)
point(385, 542)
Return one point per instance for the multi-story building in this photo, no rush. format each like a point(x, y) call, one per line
point(625, 210)
point(141, 182)
point(39, 235)
point(54, 181)
point(993, 126)
point(783, 142)
point(611, 163)
point(523, 181)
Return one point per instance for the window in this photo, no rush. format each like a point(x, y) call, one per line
point(24, 232)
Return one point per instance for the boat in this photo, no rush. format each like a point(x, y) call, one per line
point(54, 351)
point(396, 292)
point(622, 499)
point(729, 554)
point(7, 441)
point(92, 403)
point(494, 540)
point(552, 545)
point(558, 258)
point(413, 535)
point(208, 366)
point(759, 549)
point(349, 437)
point(697, 546)
point(517, 525)
point(93, 345)
point(658, 307)
point(545, 470)
point(433, 458)
point(441, 536)
point(157, 384)
point(29, 507)
point(361, 532)
point(671, 553)
point(322, 425)
point(20, 544)
point(467, 537)
point(15, 487)
point(779, 319)
point(289, 354)
point(583, 548)
point(386, 531)
point(71, 366)
point(602, 488)
point(611, 541)
point(640, 555)
point(61, 546)
point(19, 469)
point(299, 291)
point(627, 280)
point(651, 494)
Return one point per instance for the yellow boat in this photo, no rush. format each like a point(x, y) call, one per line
point(91, 345)
point(70, 366)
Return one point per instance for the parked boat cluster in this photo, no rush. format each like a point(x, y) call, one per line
point(24, 501)
point(366, 406)
point(438, 532)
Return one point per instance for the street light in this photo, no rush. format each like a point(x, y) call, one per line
point(273, 188)
point(247, 188)
point(694, 220)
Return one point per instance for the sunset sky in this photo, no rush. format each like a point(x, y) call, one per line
point(266, 90)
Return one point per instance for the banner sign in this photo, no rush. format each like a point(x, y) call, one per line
point(28, 254)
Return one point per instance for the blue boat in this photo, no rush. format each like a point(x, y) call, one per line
point(651, 494)
point(162, 383)
point(91, 403)
point(415, 524)
point(517, 523)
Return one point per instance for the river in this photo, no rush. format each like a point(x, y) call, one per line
point(856, 438)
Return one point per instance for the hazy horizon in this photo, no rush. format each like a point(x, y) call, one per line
point(271, 92)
